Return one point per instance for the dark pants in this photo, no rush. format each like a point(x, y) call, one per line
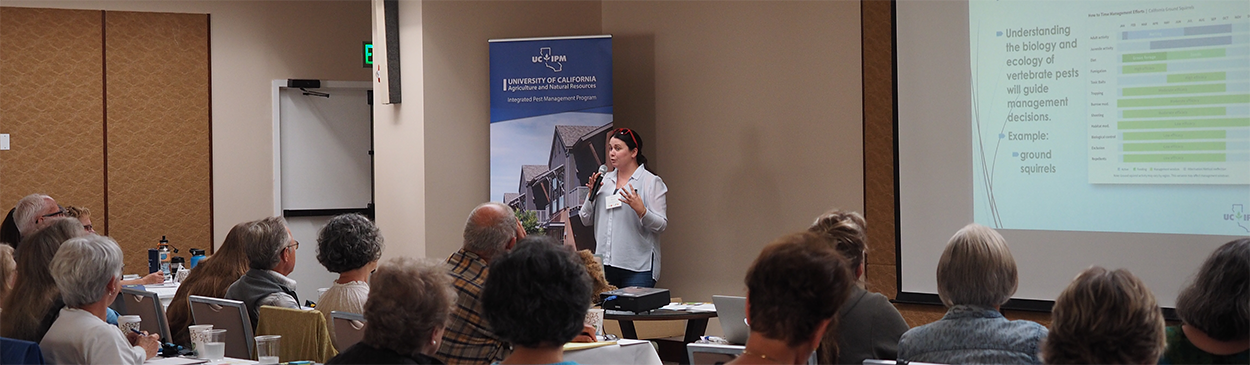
point(622, 278)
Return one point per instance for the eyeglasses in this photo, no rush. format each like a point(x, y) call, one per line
point(295, 246)
point(89, 228)
point(59, 212)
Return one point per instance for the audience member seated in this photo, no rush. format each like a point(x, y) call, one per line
point(34, 303)
point(794, 290)
point(408, 307)
point(1214, 311)
point(8, 230)
point(868, 325)
point(210, 278)
point(270, 257)
point(7, 269)
point(32, 214)
point(535, 299)
point(88, 273)
point(349, 245)
point(975, 275)
point(1104, 317)
point(594, 268)
point(491, 229)
point(84, 215)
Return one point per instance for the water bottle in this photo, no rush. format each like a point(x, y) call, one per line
point(163, 247)
point(196, 256)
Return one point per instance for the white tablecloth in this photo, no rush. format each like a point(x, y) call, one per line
point(164, 291)
point(634, 352)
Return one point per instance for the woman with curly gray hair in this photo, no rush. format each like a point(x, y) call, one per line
point(406, 313)
point(349, 245)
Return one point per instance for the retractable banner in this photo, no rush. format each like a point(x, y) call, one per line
point(550, 111)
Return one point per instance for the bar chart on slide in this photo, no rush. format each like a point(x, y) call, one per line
point(1174, 104)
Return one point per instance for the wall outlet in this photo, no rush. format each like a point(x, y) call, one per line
point(4, 142)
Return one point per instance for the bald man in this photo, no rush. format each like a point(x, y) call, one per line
point(491, 229)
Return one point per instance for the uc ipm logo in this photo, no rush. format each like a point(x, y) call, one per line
point(1237, 216)
point(552, 62)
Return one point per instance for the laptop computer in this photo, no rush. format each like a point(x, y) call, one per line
point(732, 313)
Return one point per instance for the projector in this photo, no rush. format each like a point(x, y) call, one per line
point(634, 299)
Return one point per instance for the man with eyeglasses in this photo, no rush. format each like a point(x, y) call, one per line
point(31, 215)
point(271, 257)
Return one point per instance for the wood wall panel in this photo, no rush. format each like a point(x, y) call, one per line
point(159, 147)
point(51, 74)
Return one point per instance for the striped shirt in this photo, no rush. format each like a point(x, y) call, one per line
point(468, 338)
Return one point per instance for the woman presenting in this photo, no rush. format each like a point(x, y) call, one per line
point(629, 212)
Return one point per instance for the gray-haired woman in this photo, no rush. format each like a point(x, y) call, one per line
point(407, 311)
point(349, 245)
point(88, 273)
point(975, 275)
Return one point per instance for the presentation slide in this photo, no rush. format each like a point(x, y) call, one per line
point(1108, 133)
point(1085, 111)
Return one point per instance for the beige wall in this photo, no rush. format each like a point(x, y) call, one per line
point(751, 110)
point(754, 113)
point(253, 43)
point(399, 144)
point(457, 104)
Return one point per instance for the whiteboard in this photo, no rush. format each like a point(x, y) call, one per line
point(324, 147)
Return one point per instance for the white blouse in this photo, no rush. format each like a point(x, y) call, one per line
point(625, 240)
point(349, 297)
point(79, 337)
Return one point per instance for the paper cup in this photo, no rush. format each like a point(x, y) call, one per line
point(594, 318)
point(199, 335)
point(128, 323)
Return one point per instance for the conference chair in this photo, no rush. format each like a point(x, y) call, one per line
point(717, 354)
point(712, 354)
point(304, 333)
point(895, 362)
point(146, 305)
point(349, 328)
point(229, 315)
point(14, 351)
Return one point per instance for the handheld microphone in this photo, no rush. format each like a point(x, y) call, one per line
point(594, 187)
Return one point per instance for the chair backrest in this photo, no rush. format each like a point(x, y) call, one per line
point(712, 354)
point(13, 351)
point(147, 306)
point(304, 333)
point(230, 315)
point(349, 328)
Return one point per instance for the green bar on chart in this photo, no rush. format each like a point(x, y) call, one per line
point(1172, 90)
point(1174, 55)
point(1177, 112)
point(1174, 146)
point(1197, 77)
point(1197, 53)
point(1184, 123)
point(1187, 157)
point(1142, 57)
point(1156, 136)
point(1137, 69)
point(1184, 100)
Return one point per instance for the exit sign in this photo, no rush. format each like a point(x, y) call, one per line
point(368, 49)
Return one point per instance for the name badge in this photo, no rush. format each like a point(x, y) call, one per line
point(614, 201)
